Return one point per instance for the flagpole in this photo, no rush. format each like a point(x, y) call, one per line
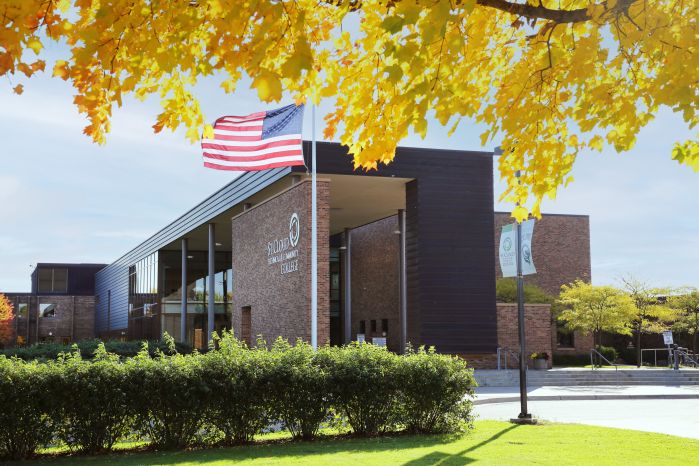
point(314, 235)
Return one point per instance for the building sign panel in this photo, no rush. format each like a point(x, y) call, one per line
point(508, 247)
point(667, 337)
point(283, 252)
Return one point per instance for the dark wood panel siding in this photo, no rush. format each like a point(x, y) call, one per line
point(451, 294)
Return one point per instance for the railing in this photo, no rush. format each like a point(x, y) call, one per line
point(592, 363)
point(655, 355)
point(685, 355)
point(503, 355)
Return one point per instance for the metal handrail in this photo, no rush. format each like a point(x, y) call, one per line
point(592, 363)
point(686, 355)
point(503, 354)
point(655, 354)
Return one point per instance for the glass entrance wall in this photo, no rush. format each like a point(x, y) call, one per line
point(144, 299)
point(197, 294)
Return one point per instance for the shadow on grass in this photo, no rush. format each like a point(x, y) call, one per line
point(278, 451)
point(441, 458)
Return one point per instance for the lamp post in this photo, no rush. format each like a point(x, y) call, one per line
point(524, 416)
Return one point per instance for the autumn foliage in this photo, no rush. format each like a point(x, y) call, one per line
point(6, 321)
point(547, 79)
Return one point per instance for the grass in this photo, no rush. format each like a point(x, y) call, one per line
point(491, 442)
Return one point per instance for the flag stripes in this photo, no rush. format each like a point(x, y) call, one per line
point(258, 141)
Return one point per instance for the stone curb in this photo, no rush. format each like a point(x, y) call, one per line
point(509, 399)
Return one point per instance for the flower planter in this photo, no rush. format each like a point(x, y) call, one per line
point(541, 364)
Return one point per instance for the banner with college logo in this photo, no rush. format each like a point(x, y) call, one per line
point(508, 247)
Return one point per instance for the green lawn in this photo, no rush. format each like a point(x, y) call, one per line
point(491, 442)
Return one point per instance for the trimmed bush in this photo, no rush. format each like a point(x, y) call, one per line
point(94, 410)
point(364, 387)
point(227, 395)
point(435, 392)
point(124, 349)
point(301, 387)
point(575, 360)
point(239, 382)
point(168, 396)
point(27, 406)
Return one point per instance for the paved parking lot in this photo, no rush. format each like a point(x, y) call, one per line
point(674, 417)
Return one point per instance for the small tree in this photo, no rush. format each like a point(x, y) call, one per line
point(7, 316)
point(506, 292)
point(595, 309)
point(650, 315)
point(687, 305)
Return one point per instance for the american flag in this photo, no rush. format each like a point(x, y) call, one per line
point(257, 141)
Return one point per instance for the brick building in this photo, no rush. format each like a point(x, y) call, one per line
point(405, 255)
point(561, 251)
point(60, 307)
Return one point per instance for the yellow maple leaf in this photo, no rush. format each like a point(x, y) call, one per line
point(35, 45)
point(268, 85)
point(60, 69)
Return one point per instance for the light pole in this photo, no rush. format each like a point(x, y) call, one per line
point(524, 416)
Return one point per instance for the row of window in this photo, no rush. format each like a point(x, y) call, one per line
point(373, 326)
point(45, 310)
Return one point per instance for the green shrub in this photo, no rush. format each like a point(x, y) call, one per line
point(231, 392)
point(51, 351)
point(435, 392)
point(27, 406)
point(506, 292)
point(168, 396)
point(574, 360)
point(239, 381)
point(608, 352)
point(94, 408)
point(301, 385)
point(364, 387)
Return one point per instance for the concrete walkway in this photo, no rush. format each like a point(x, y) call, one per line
point(488, 395)
point(673, 417)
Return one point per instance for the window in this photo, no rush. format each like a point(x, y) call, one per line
point(22, 309)
point(246, 325)
point(362, 326)
point(373, 325)
point(565, 338)
point(384, 326)
point(47, 310)
point(52, 280)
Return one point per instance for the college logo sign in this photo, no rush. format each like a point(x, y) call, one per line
point(294, 230)
point(283, 251)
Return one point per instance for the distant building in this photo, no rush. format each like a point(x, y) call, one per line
point(61, 305)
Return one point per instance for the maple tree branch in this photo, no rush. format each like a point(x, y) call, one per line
point(525, 10)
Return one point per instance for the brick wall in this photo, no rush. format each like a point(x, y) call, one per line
point(280, 303)
point(561, 250)
point(537, 321)
point(582, 343)
point(375, 264)
point(74, 318)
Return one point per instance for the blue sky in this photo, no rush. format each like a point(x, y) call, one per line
point(65, 199)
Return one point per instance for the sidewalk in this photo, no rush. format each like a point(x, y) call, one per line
point(487, 395)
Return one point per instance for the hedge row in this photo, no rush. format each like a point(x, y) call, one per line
point(87, 348)
point(227, 396)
